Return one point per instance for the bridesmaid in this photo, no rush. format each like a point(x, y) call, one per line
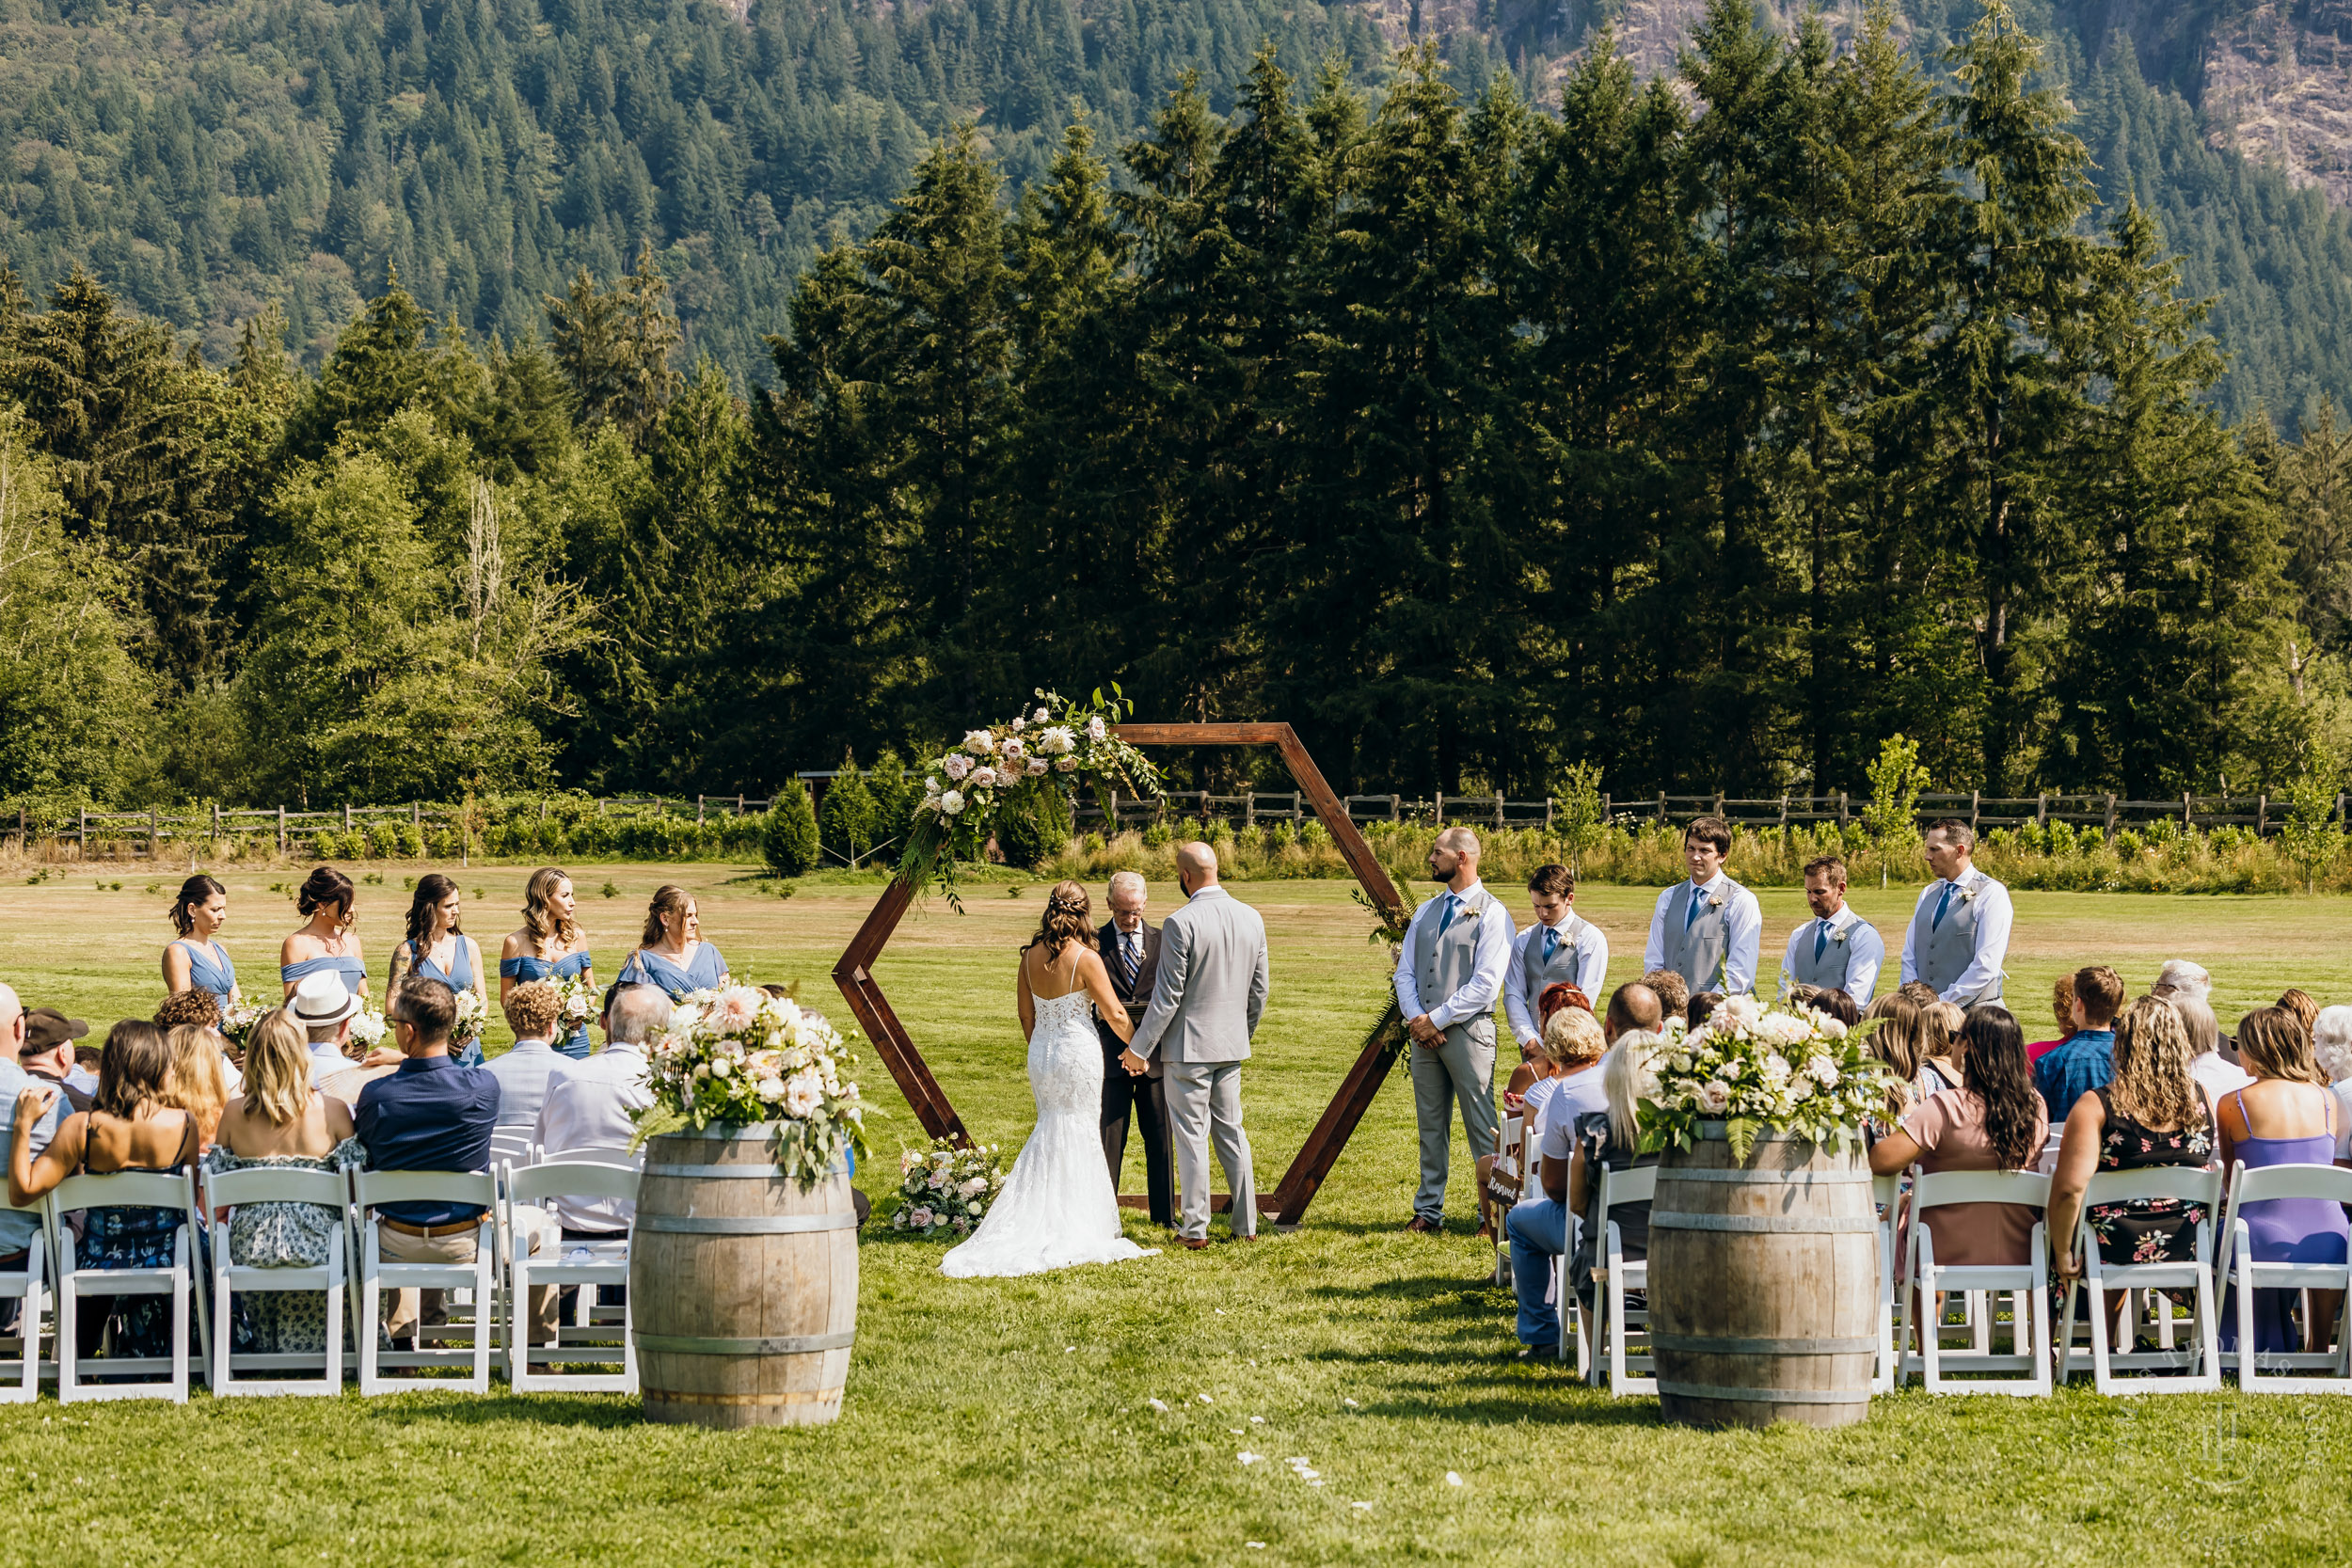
point(549, 946)
point(326, 942)
point(197, 962)
point(438, 949)
point(673, 954)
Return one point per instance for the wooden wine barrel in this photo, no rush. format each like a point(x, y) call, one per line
point(1763, 1283)
point(743, 1285)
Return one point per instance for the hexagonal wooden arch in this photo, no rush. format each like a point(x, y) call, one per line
point(1289, 1200)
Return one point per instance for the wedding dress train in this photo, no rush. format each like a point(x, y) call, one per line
point(1058, 1208)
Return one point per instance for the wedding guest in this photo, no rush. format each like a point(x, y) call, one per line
point(1559, 996)
point(322, 1009)
point(128, 1129)
point(1938, 1037)
point(328, 939)
point(1634, 1005)
point(1449, 971)
point(1896, 1043)
point(1918, 993)
point(591, 1104)
point(1836, 949)
point(47, 1053)
point(1832, 1002)
point(2215, 1073)
point(1539, 1226)
point(183, 1007)
point(1612, 1140)
point(438, 948)
point(2062, 1010)
point(2150, 1114)
point(1702, 1007)
point(197, 960)
point(1706, 927)
point(1994, 1122)
point(1560, 947)
point(1570, 1049)
point(2287, 1116)
point(2298, 1001)
point(2331, 1052)
point(281, 1122)
point(17, 1226)
point(2179, 977)
point(198, 1079)
point(2086, 1060)
point(671, 952)
point(1129, 946)
point(1958, 935)
point(1672, 990)
point(523, 1072)
point(1574, 1044)
point(549, 945)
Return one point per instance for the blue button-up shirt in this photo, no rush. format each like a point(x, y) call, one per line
point(2074, 1068)
point(18, 1225)
point(430, 1114)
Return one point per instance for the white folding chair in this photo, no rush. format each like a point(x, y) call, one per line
point(27, 1286)
point(1615, 1324)
point(2241, 1273)
point(174, 1190)
point(513, 1144)
point(372, 1189)
point(1887, 1192)
point(2026, 1285)
point(232, 1189)
point(2188, 1184)
point(599, 1264)
point(1505, 1175)
point(633, 1160)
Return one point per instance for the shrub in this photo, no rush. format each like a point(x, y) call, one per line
point(1033, 827)
point(789, 839)
point(1158, 834)
point(850, 815)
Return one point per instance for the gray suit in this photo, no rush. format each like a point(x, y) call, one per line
point(1205, 1005)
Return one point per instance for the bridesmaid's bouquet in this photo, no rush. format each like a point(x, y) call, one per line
point(368, 1028)
point(473, 1011)
point(740, 1057)
point(946, 1188)
point(580, 1003)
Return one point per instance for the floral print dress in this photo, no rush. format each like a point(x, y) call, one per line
point(2153, 1230)
point(282, 1236)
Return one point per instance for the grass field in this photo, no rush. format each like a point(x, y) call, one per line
point(1006, 1421)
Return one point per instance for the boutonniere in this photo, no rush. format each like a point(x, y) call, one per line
point(1838, 935)
point(1715, 901)
point(1968, 893)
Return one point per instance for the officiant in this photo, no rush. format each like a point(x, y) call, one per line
point(1130, 948)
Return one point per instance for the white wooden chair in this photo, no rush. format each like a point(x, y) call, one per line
point(231, 1189)
point(1605, 1338)
point(28, 1287)
point(1887, 1192)
point(174, 1190)
point(371, 1189)
point(1506, 1177)
point(2026, 1285)
point(2241, 1273)
point(513, 1144)
point(604, 1263)
point(2189, 1184)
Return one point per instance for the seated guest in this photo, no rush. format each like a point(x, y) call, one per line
point(83, 1074)
point(1570, 1044)
point(1672, 990)
point(2298, 1001)
point(2331, 1052)
point(48, 1053)
point(2285, 1116)
point(2087, 1059)
point(2062, 1009)
point(128, 1128)
point(1994, 1121)
point(18, 1226)
point(532, 1010)
point(199, 1007)
point(198, 1080)
point(591, 1105)
point(1702, 1007)
point(1827, 1000)
point(1939, 1023)
point(1896, 1043)
point(281, 1122)
point(324, 1007)
point(2215, 1073)
point(2179, 977)
point(2150, 1113)
point(1631, 1007)
point(436, 1115)
point(1612, 1140)
point(1919, 993)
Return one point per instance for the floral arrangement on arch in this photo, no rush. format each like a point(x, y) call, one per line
point(740, 1057)
point(1057, 745)
point(946, 1187)
point(1754, 1068)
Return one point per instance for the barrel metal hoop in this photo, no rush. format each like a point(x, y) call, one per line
point(720, 1173)
point(784, 1344)
point(1763, 1396)
point(1720, 1132)
point(1797, 1225)
point(746, 1225)
point(1765, 1178)
point(1849, 1344)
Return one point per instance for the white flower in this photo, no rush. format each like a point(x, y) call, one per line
point(973, 1187)
point(1799, 1091)
point(1741, 1012)
point(1018, 725)
point(1775, 1069)
point(1040, 715)
point(721, 1067)
point(956, 768)
point(978, 1210)
point(1055, 741)
point(1094, 728)
point(804, 1093)
point(983, 777)
point(703, 1070)
point(771, 1089)
point(1066, 764)
point(1714, 1095)
point(1832, 1028)
point(978, 742)
point(952, 803)
point(1036, 767)
point(1012, 747)
point(1823, 1069)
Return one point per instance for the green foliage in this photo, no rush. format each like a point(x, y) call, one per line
point(1033, 826)
point(2313, 835)
point(850, 817)
point(789, 840)
point(1896, 780)
point(1579, 818)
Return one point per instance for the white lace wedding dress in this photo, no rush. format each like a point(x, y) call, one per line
point(1058, 1208)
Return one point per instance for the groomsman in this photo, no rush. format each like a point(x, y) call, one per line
point(1958, 935)
point(1458, 952)
point(1559, 948)
point(1707, 929)
point(1836, 949)
point(1130, 949)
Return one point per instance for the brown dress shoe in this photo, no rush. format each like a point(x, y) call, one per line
point(1193, 1243)
point(1245, 1235)
point(1420, 1226)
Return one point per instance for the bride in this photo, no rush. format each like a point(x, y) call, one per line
point(1058, 1208)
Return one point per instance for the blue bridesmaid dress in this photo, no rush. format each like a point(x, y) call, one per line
point(354, 971)
point(463, 980)
point(530, 967)
point(210, 969)
point(646, 967)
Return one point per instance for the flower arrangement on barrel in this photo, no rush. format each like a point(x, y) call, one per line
point(1753, 1067)
point(946, 1188)
point(1057, 745)
point(740, 1057)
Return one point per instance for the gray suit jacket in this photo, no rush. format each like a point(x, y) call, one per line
point(1212, 985)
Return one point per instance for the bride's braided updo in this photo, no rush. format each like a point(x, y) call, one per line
point(1067, 919)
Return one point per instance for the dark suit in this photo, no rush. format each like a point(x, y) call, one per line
point(1146, 1096)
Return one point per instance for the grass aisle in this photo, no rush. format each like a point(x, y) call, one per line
point(1008, 1422)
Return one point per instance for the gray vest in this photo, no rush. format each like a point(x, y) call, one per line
point(1829, 971)
point(1561, 970)
point(1943, 951)
point(1696, 954)
point(1442, 964)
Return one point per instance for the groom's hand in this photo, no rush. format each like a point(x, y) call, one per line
point(1137, 1066)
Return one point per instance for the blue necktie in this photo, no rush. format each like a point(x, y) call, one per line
point(1551, 944)
point(1690, 915)
point(1446, 917)
point(1941, 905)
point(1821, 941)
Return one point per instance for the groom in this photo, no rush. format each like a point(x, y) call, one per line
point(1205, 1005)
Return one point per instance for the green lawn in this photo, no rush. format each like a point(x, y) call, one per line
point(1009, 1421)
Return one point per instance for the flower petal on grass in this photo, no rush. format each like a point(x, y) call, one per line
point(1206, 1399)
point(1366, 1507)
point(1160, 1406)
point(1248, 1457)
point(1351, 1404)
point(1452, 1478)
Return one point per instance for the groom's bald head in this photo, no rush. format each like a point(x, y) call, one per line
point(1196, 865)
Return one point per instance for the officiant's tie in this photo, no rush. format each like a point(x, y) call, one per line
point(1128, 957)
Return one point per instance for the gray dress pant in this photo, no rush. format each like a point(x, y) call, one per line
point(1204, 1107)
point(1462, 1070)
